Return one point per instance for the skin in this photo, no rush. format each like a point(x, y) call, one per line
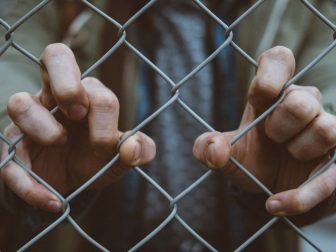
point(70, 147)
point(67, 148)
point(286, 148)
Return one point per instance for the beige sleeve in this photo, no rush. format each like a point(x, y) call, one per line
point(322, 75)
point(17, 72)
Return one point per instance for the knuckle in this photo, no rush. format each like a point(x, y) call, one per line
point(68, 93)
point(52, 137)
point(18, 104)
point(298, 203)
point(325, 128)
point(107, 99)
point(274, 132)
point(104, 140)
point(91, 81)
point(29, 196)
point(55, 49)
point(315, 92)
point(326, 188)
point(300, 106)
point(262, 87)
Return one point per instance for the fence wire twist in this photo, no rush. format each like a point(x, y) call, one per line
point(175, 98)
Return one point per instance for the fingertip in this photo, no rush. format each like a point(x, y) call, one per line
point(64, 82)
point(210, 155)
point(280, 54)
point(55, 49)
point(212, 149)
point(135, 152)
point(40, 197)
point(218, 152)
point(149, 148)
point(54, 206)
point(130, 151)
point(287, 203)
point(138, 149)
point(274, 207)
point(44, 200)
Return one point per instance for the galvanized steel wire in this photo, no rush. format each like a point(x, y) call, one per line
point(175, 98)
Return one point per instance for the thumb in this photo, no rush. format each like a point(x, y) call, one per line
point(213, 149)
point(304, 198)
point(138, 149)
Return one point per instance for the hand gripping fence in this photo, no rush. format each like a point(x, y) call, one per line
point(175, 98)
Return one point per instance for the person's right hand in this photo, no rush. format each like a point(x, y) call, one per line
point(69, 147)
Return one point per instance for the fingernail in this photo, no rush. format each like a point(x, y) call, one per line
point(54, 206)
point(274, 206)
point(77, 112)
point(136, 153)
point(210, 155)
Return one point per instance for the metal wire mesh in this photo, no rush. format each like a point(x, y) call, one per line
point(175, 99)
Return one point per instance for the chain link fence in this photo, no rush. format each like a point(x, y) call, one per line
point(175, 99)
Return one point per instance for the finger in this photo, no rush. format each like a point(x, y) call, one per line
point(316, 140)
point(21, 183)
point(61, 76)
point(276, 66)
point(304, 198)
point(35, 120)
point(103, 114)
point(292, 115)
point(28, 189)
point(138, 149)
point(212, 149)
point(314, 91)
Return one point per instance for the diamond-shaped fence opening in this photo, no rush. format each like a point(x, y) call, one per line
point(174, 99)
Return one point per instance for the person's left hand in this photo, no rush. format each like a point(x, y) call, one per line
point(286, 148)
